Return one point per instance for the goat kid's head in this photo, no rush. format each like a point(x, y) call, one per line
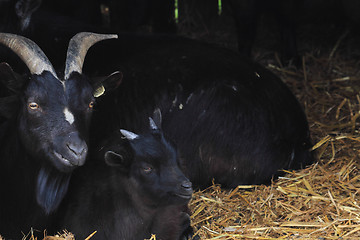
point(152, 167)
point(55, 113)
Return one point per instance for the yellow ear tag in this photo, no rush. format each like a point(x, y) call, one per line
point(99, 91)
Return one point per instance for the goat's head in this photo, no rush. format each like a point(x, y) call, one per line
point(151, 166)
point(55, 113)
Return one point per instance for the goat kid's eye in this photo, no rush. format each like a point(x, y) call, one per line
point(147, 169)
point(33, 105)
point(91, 104)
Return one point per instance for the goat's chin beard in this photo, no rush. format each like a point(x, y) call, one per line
point(51, 188)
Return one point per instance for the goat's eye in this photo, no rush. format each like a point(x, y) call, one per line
point(91, 104)
point(33, 105)
point(147, 169)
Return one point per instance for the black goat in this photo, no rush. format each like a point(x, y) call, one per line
point(43, 131)
point(231, 119)
point(143, 193)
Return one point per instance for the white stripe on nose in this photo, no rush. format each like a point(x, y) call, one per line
point(68, 116)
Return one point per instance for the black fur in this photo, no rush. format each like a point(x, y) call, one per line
point(51, 188)
point(231, 119)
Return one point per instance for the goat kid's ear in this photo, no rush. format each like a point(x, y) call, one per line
point(13, 81)
point(114, 159)
point(107, 84)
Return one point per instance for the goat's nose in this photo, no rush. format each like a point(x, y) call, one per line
point(186, 185)
point(77, 148)
point(79, 152)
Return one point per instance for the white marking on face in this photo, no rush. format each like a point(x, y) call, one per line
point(69, 116)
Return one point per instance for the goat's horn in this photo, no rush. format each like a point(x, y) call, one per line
point(129, 135)
point(29, 52)
point(78, 47)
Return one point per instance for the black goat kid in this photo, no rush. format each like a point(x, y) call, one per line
point(43, 131)
point(143, 193)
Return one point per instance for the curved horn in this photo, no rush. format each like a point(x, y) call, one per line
point(78, 47)
point(29, 52)
point(129, 135)
point(153, 125)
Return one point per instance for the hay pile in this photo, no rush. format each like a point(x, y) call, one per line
point(64, 235)
point(319, 201)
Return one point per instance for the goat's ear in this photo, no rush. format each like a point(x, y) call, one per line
point(107, 84)
point(156, 120)
point(114, 159)
point(10, 79)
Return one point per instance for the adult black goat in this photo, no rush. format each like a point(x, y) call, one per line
point(232, 119)
point(43, 131)
point(143, 192)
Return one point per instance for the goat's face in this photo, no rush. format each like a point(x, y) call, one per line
point(152, 170)
point(156, 173)
point(54, 119)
